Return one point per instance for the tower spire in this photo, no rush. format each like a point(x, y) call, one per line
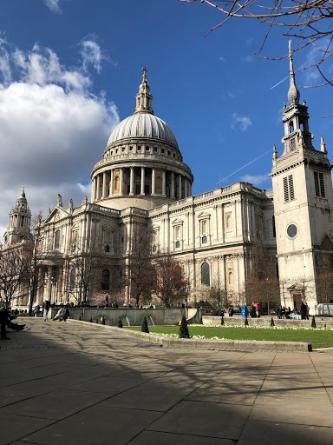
point(144, 98)
point(293, 93)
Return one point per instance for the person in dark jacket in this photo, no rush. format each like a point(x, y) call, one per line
point(4, 319)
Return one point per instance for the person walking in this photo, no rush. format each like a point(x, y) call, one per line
point(46, 308)
point(4, 318)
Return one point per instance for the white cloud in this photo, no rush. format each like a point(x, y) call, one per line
point(316, 55)
point(53, 5)
point(255, 179)
point(239, 122)
point(42, 66)
point(52, 130)
point(91, 54)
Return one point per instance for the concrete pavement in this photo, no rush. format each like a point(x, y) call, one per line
point(72, 383)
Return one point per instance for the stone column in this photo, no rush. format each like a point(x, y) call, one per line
point(142, 191)
point(153, 182)
point(111, 185)
point(179, 186)
point(93, 190)
point(131, 192)
point(164, 183)
point(104, 195)
point(172, 186)
point(98, 187)
point(121, 179)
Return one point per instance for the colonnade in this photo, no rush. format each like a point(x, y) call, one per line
point(140, 181)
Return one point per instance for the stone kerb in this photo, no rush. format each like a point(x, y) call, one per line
point(218, 345)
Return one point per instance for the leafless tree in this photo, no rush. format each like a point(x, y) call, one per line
point(14, 273)
point(262, 284)
point(218, 297)
point(82, 275)
point(171, 283)
point(141, 273)
point(309, 22)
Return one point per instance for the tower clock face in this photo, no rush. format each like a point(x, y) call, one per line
point(291, 230)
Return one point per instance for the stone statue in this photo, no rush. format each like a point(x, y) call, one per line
point(59, 200)
point(71, 205)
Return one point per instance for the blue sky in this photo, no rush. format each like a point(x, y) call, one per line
point(213, 91)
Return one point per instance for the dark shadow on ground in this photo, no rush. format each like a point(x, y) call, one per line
point(67, 383)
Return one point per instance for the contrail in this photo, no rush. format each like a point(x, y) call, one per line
point(244, 166)
point(285, 78)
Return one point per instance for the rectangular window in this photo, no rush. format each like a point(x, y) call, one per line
point(285, 189)
point(288, 188)
point(319, 184)
point(291, 187)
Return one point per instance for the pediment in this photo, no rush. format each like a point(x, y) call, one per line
point(326, 243)
point(177, 222)
point(204, 215)
point(56, 214)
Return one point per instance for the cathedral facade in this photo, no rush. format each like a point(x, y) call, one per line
point(216, 236)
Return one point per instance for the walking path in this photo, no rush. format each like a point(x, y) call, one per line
point(67, 383)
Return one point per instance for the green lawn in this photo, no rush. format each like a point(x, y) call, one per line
point(318, 338)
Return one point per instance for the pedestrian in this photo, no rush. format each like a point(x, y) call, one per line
point(307, 310)
point(230, 311)
point(303, 311)
point(36, 310)
point(46, 308)
point(4, 318)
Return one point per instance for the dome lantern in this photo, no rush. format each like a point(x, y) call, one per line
point(144, 98)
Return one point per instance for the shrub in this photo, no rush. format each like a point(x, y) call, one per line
point(313, 322)
point(183, 328)
point(144, 326)
point(120, 323)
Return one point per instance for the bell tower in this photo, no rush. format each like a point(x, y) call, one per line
point(19, 222)
point(303, 206)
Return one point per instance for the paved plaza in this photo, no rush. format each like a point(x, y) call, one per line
point(73, 383)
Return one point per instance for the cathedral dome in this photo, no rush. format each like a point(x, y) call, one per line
point(142, 125)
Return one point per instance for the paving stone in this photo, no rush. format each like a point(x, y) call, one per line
point(13, 427)
point(268, 433)
point(205, 419)
point(153, 438)
point(99, 425)
point(54, 405)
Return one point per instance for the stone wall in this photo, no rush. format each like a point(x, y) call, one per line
point(134, 317)
point(321, 322)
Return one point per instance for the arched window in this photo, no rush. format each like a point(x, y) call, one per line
point(205, 274)
point(105, 283)
point(57, 239)
point(291, 127)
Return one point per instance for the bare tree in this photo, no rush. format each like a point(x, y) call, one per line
point(309, 22)
point(171, 284)
point(218, 297)
point(262, 284)
point(140, 270)
point(14, 273)
point(81, 275)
